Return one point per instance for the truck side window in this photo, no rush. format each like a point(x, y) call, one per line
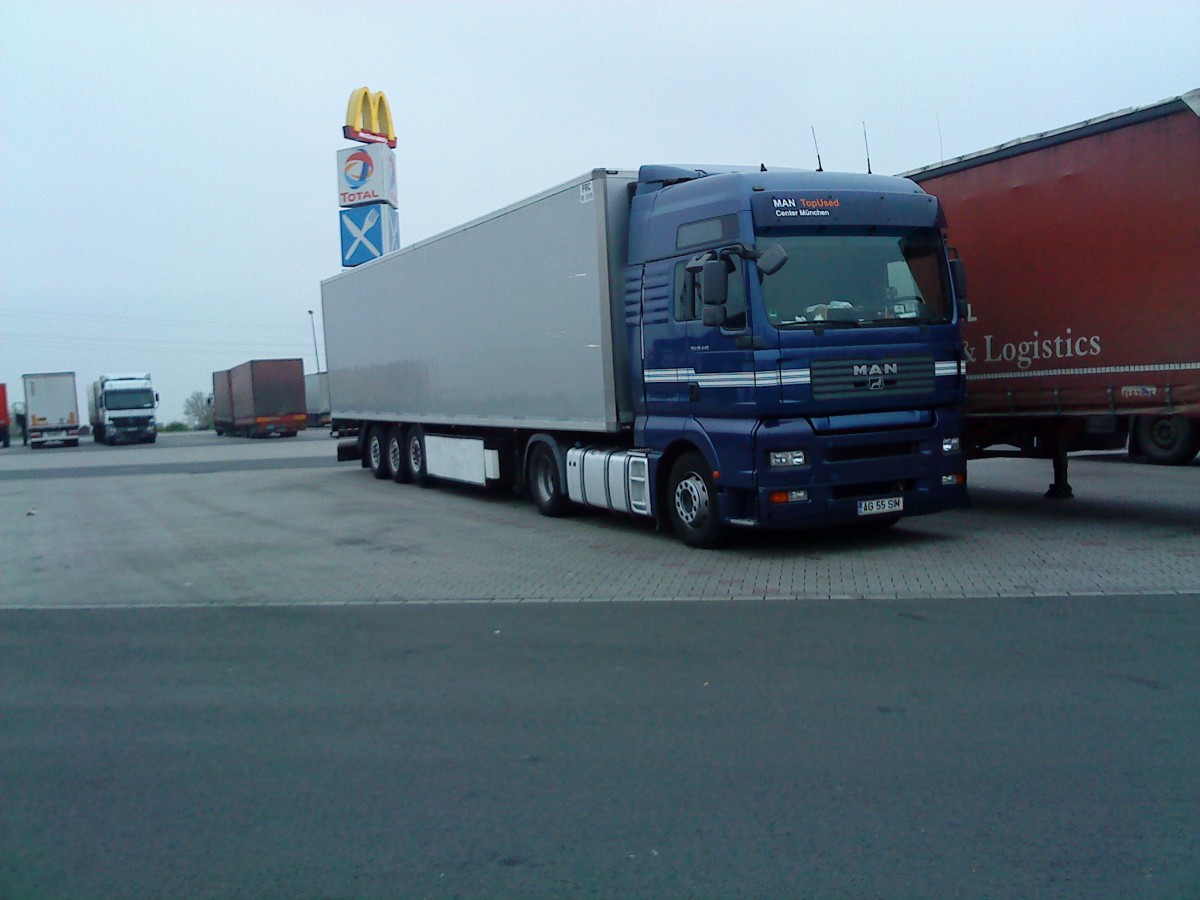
point(710, 232)
point(735, 306)
point(685, 293)
point(688, 300)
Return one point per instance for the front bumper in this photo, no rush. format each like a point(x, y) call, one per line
point(917, 470)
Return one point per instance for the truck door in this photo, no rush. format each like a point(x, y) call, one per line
point(720, 358)
point(665, 338)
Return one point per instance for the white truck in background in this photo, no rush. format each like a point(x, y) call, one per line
point(51, 408)
point(121, 409)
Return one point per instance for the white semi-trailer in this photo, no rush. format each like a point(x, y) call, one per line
point(51, 408)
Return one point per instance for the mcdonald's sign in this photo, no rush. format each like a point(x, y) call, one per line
point(369, 118)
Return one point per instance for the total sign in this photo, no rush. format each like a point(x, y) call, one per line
point(366, 174)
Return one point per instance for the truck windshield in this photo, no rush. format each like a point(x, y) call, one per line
point(858, 280)
point(139, 399)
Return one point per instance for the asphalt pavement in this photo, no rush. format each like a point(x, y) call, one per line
point(1007, 748)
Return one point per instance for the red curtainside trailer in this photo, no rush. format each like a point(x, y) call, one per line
point(1082, 247)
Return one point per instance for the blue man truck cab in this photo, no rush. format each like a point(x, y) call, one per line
point(713, 347)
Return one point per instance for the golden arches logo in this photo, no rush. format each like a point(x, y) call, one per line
point(369, 118)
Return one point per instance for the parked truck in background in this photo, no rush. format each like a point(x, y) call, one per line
point(709, 347)
point(1083, 245)
point(222, 403)
point(5, 422)
point(260, 398)
point(316, 398)
point(51, 408)
point(121, 409)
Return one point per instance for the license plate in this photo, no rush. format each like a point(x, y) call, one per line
point(875, 507)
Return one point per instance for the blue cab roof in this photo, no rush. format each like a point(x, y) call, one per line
point(670, 196)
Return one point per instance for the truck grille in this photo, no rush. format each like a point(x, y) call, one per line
point(835, 379)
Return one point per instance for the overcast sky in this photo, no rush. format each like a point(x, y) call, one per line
point(168, 172)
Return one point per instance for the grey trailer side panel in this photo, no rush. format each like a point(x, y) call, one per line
point(508, 321)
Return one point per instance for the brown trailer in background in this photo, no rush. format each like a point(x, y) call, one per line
point(260, 398)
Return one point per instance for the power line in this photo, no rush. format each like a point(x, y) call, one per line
point(183, 344)
point(145, 320)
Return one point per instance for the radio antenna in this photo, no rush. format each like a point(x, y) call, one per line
point(941, 152)
point(868, 146)
point(818, 149)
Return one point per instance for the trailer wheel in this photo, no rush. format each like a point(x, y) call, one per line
point(692, 502)
point(545, 485)
point(414, 457)
point(1168, 440)
point(395, 453)
point(377, 452)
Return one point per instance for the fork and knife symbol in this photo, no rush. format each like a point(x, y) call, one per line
point(360, 234)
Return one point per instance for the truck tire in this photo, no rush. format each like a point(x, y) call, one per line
point(1168, 440)
point(377, 452)
point(545, 482)
point(415, 462)
point(692, 503)
point(397, 461)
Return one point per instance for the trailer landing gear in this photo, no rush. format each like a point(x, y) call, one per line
point(1061, 488)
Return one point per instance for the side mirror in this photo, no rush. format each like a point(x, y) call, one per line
point(772, 259)
point(714, 284)
point(958, 278)
point(713, 315)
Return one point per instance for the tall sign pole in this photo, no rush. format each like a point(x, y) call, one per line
point(370, 225)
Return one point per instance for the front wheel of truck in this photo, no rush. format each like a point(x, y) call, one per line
point(692, 503)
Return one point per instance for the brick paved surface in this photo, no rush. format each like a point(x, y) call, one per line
point(143, 531)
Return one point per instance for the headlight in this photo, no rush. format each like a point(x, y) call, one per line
point(787, 458)
point(950, 445)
